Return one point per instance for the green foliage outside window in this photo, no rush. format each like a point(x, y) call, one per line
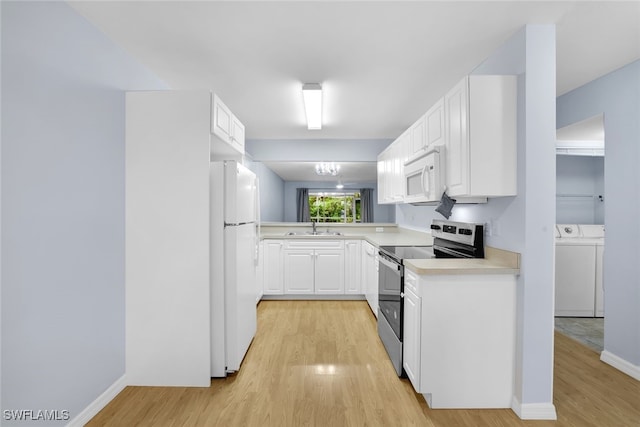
point(334, 207)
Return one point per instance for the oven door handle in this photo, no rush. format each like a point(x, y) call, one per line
point(391, 265)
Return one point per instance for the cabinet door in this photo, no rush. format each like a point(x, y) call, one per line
point(401, 153)
point(222, 120)
point(237, 134)
point(381, 177)
point(385, 176)
point(299, 271)
point(457, 139)
point(273, 267)
point(353, 267)
point(411, 343)
point(419, 135)
point(434, 120)
point(329, 271)
point(370, 276)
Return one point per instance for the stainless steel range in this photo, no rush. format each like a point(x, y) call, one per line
point(451, 240)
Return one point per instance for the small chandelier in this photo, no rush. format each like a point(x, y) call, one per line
point(327, 169)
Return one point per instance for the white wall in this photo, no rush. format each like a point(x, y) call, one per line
point(617, 95)
point(63, 290)
point(167, 245)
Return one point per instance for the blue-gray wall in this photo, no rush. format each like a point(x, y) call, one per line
point(526, 222)
point(271, 192)
point(63, 126)
point(617, 95)
point(579, 182)
point(381, 213)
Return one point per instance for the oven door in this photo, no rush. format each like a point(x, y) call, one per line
point(389, 292)
point(390, 282)
point(422, 177)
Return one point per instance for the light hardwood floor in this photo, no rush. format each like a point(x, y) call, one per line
point(320, 363)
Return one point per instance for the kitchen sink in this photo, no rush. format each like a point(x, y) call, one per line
point(311, 233)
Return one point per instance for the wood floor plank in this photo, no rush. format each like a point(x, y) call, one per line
point(321, 363)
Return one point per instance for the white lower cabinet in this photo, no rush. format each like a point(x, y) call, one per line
point(370, 275)
point(412, 328)
point(273, 280)
point(353, 267)
point(314, 267)
point(299, 269)
point(459, 338)
point(329, 271)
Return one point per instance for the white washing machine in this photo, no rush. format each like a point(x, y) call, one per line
point(596, 234)
point(578, 270)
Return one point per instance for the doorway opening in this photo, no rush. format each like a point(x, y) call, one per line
point(580, 231)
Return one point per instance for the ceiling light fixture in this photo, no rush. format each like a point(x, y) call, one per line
point(339, 185)
point(327, 169)
point(312, 95)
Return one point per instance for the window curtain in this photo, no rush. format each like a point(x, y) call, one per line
point(302, 197)
point(366, 205)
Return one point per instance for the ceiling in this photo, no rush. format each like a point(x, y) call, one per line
point(382, 64)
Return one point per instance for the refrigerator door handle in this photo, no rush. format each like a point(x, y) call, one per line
point(237, 224)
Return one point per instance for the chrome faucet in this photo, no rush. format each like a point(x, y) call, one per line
point(313, 223)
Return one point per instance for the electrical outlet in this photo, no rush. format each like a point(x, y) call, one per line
point(492, 228)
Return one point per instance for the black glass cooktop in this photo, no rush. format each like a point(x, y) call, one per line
point(408, 252)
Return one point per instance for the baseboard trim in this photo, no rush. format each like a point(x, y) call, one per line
point(311, 297)
point(620, 364)
point(534, 411)
point(97, 405)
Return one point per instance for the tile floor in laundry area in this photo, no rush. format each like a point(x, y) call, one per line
point(587, 330)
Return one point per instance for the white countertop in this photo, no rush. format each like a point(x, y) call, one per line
point(496, 261)
point(392, 235)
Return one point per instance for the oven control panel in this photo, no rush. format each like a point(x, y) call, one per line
point(461, 232)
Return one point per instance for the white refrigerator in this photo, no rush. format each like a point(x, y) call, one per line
point(235, 221)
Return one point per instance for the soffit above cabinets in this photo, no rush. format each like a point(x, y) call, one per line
point(350, 172)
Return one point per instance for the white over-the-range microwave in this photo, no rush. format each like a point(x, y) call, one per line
point(424, 179)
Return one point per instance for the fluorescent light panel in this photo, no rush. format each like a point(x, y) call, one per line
point(312, 94)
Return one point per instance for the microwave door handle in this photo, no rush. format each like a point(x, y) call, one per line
point(425, 180)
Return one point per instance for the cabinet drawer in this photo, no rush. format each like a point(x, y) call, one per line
point(411, 281)
point(314, 244)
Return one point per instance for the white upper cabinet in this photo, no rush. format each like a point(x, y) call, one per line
point(480, 137)
point(434, 121)
point(391, 169)
point(228, 143)
point(428, 130)
point(419, 135)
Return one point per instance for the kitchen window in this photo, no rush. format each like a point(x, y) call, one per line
point(333, 206)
